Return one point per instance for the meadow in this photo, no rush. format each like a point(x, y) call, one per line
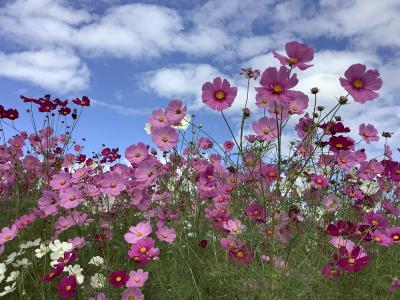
point(190, 217)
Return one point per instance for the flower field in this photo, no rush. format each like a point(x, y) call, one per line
point(255, 216)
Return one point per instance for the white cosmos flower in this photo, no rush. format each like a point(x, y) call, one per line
point(8, 289)
point(97, 261)
point(42, 250)
point(11, 258)
point(13, 276)
point(76, 271)
point(98, 281)
point(147, 128)
point(30, 244)
point(58, 248)
point(184, 124)
point(22, 263)
point(3, 270)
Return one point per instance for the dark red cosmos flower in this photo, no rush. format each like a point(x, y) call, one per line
point(351, 261)
point(338, 143)
point(393, 170)
point(80, 158)
point(341, 228)
point(203, 243)
point(118, 278)
point(54, 272)
point(58, 102)
point(10, 114)
point(241, 255)
point(85, 101)
point(27, 99)
point(47, 106)
point(64, 111)
point(362, 232)
point(331, 271)
point(67, 286)
point(334, 127)
point(68, 258)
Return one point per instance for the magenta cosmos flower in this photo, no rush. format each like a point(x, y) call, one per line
point(71, 197)
point(219, 94)
point(67, 286)
point(361, 84)
point(137, 278)
point(118, 278)
point(112, 184)
point(275, 85)
point(7, 234)
point(319, 181)
point(175, 112)
point(138, 232)
point(297, 55)
point(165, 138)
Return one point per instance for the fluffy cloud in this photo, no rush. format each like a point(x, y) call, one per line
point(56, 70)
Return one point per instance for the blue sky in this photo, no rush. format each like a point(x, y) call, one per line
point(133, 56)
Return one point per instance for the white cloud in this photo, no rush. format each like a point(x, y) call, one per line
point(56, 70)
point(121, 110)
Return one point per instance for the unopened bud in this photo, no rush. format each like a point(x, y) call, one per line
point(314, 90)
point(315, 115)
point(343, 100)
point(246, 112)
point(338, 118)
point(320, 108)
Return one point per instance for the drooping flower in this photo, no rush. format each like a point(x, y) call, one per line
point(361, 84)
point(298, 55)
point(218, 95)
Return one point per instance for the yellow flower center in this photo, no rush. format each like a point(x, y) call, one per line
point(161, 119)
point(139, 233)
point(377, 239)
point(240, 254)
point(293, 60)
point(357, 84)
point(142, 250)
point(266, 131)
point(131, 297)
point(164, 139)
point(344, 159)
point(137, 154)
point(149, 173)
point(319, 180)
point(8, 236)
point(271, 174)
point(118, 278)
point(68, 288)
point(264, 101)
point(396, 237)
point(137, 280)
point(351, 261)
point(219, 95)
point(165, 235)
point(374, 222)
point(232, 244)
point(339, 145)
point(277, 89)
point(113, 184)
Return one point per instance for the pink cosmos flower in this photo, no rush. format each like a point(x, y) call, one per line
point(48, 203)
point(369, 133)
point(100, 296)
point(319, 181)
point(331, 271)
point(270, 173)
point(146, 173)
point(361, 84)
point(255, 212)
point(266, 128)
point(298, 105)
point(376, 220)
point(137, 278)
point(158, 119)
point(143, 250)
point(165, 138)
point(234, 226)
point(228, 146)
point(219, 94)
point(71, 197)
point(331, 203)
point(136, 153)
point(346, 160)
point(67, 286)
point(175, 111)
point(24, 221)
point(138, 232)
point(8, 234)
point(298, 54)
point(132, 293)
point(381, 238)
point(241, 255)
point(166, 234)
point(112, 184)
point(276, 84)
point(77, 242)
point(60, 181)
point(394, 234)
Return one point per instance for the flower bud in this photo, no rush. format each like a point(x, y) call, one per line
point(343, 100)
point(314, 90)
